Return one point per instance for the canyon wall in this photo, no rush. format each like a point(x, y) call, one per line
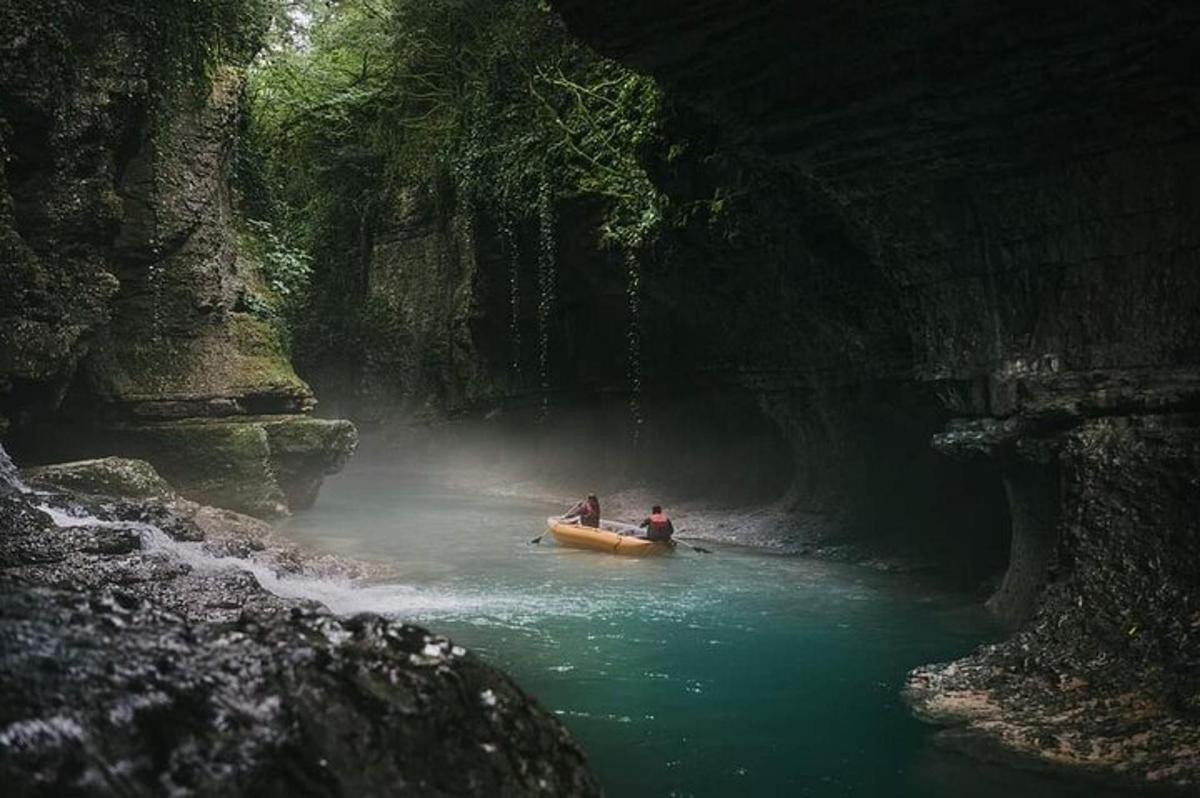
point(1021, 183)
point(126, 326)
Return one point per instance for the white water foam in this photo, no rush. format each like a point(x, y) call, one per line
point(342, 596)
point(9, 475)
point(508, 606)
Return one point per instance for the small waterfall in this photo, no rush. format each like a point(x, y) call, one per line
point(508, 238)
point(343, 596)
point(546, 285)
point(10, 478)
point(466, 228)
point(633, 340)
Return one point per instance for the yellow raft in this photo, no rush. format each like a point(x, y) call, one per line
point(606, 538)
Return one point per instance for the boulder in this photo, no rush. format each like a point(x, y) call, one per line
point(106, 476)
point(260, 465)
point(232, 368)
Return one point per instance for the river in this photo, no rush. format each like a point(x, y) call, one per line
point(738, 672)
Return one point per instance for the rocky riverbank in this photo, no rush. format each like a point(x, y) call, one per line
point(142, 655)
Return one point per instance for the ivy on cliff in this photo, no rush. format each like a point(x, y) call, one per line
point(480, 100)
point(185, 39)
point(361, 108)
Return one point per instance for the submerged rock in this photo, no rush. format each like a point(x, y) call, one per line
point(136, 658)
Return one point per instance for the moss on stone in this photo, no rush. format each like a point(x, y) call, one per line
point(107, 476)
point(214, 461)
point(304, 450)
point(259, 465)
point(240, 358)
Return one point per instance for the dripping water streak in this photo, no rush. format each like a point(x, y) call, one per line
point(9, 476)
point(509, 239)
point(546, 286)
point(155, 274)
point(634, 341)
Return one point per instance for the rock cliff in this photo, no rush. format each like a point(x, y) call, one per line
point(125, 326)
point(1015, 185)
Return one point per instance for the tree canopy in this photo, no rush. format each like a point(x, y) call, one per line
point(485, 103)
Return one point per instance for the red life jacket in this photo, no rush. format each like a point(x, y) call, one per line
point(660, 526)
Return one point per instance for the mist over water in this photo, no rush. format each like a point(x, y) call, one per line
point(735, 673)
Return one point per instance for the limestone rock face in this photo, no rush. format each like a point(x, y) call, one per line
point(119, 255)
point(260, 465)
point(232, 368)
point(1014, 188)
point(423, 285)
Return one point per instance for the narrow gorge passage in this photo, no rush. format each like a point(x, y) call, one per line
point(893, 304)
point(742, 672)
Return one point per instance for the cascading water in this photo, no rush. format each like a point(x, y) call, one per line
point(466, 174)
point(633, 340)
point(10, 478)
point(467, 228)
point(546, 285)
point(508, 237)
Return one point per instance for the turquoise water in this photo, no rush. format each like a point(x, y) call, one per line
point(734, 673)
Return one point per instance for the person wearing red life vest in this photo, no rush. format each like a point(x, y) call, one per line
point(658, 526)
point(587, 511)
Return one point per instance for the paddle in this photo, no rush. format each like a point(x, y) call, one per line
point(700, 549)
point(538, 539)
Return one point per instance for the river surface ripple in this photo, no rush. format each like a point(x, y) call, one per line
point(734, 673)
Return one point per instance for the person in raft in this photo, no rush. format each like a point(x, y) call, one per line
point(587, 511)
point(658, 527)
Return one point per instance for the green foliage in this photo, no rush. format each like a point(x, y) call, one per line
point(477, 101)
point(184, 39)
point(283, 268)
point(362, 110)
point(282, 272)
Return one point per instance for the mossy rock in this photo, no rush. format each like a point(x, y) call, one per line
point(258, 465)
point(106, 476)
point(240, 362)
point(222, 462)
point(304, 450)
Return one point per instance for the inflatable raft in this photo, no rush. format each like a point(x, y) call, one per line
point(607, 538)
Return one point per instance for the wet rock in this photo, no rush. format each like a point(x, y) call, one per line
point(132, 663)
point(108, 476)
point(260, 465)
point(1107, 671)
point(279, 703)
